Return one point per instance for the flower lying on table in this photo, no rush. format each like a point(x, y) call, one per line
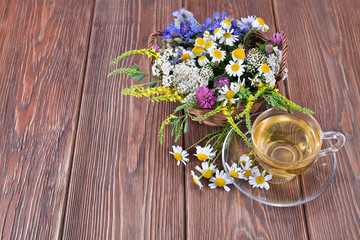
point(219, 66)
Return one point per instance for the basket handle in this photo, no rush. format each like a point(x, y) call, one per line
point(152, 38)
point(284, 50)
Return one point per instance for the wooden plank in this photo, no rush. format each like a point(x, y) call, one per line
point(323, 75)
point(123, 183)
point(216, 214)
point(43, 46)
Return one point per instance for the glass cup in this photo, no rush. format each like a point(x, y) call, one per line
point(287, 144)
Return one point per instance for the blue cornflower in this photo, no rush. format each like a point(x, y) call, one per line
point(210, 25)
point(236, 29)
point(169, 32)
point(245, 24)
point(179, 13)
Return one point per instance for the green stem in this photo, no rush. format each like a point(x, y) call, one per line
point(209, 135)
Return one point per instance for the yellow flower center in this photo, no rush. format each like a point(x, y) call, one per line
point(186, 57)
point(200, 41)
point(195, 181)
point(243, 162)
point(227, 35)
point(202, 157)
point(227, 22)
point(216, 30)
point(260, 180)
point(220, 182)
point(197, 50)
point(247, 173)
point(234, 174)
point(207, 173)
point(239, 53)
point(265, 68)
point(178, 156)
point(229, 95)
point(261, 21)
point(202, 58)
point(235, 67)
point(208, 44)
point(217, 54)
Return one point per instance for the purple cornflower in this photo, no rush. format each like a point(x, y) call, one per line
point(156, 47)
point(277, 38)
point(221, 81)
point(245, 24)
point(269, 48)
point(247, 52)
point(205, 97)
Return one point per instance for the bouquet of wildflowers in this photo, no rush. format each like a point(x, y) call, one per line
point(213, 67)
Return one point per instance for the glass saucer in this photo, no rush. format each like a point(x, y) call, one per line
point(299, 190)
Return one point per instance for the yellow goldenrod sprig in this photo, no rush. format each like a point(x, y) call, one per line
point(149, 52)
point(209, 114)
point(140, 91)
point(166, 122)
point(236, 128)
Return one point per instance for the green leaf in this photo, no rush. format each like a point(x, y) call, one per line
point(153, 84)
point(186, 127)
point(140, 79)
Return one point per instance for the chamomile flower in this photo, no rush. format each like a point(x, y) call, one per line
point(207, 35)
point(235, 69)
point(225, 24)
point(246, 170)
point(259, 24)
point(196, 179)
point(200, 42)
point(206, 170)
point(210, 46)
point(259, 179)
point(218, 33)
point(234, 170)
point(203, 60)
point(228, 38)
point(218, 55)
point(264, 69)
point(205, 153)
point(227, 95)
point(197, 51)
point(180, 155)
point(238, 55)
point(244, 159)
point(220, 180)
point(187, 55)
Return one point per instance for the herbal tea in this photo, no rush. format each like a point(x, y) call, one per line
point(286, 145)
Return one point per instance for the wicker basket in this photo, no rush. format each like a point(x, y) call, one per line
point(219, 119)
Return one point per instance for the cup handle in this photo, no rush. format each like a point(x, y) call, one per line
point(339, 144)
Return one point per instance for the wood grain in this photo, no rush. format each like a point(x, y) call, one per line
point(123, 183)
point(43, 46)
point(216, 214)
point(323, 75)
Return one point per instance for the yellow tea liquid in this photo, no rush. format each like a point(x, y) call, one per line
point(283, 142)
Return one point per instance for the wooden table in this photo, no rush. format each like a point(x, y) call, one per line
point(79, 160)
